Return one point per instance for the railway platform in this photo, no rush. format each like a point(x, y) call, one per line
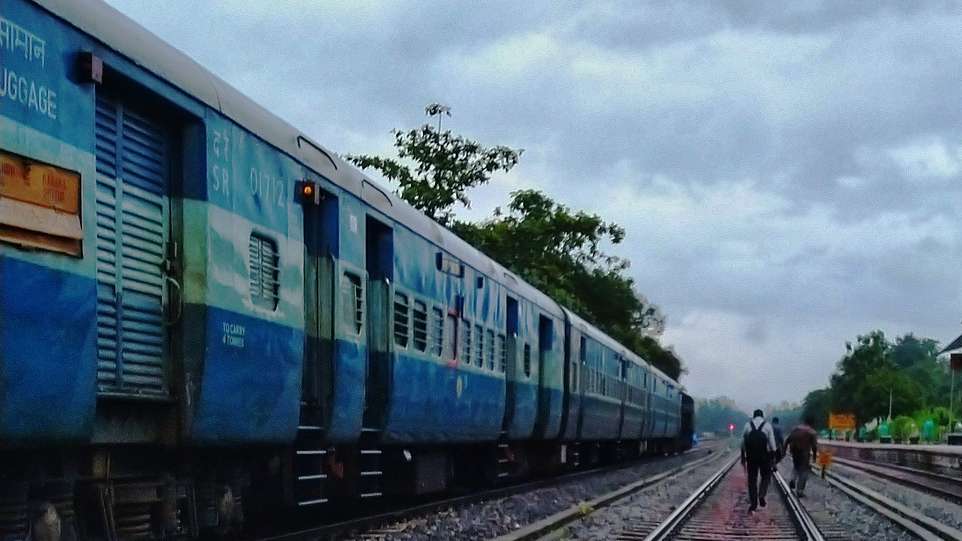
point(941, 459)
point(952, 450)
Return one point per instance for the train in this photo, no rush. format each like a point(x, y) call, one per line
point(207, 318)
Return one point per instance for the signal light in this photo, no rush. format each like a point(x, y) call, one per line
point(308, 192)
point(731, 427)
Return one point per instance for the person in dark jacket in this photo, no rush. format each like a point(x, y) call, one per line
point(802, 443)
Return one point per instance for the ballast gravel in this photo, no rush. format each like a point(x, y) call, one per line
point(943, 511)
point(645, 509)
point(840, 517)
point(837, 516)
point(492, 518)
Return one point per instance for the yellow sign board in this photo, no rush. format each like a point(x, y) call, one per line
point(841, 421)
point(39, 184)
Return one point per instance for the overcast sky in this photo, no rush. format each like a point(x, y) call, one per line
point(788, 173)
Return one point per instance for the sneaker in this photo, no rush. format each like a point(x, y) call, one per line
point(791, 484)
point(751, 509)
point(800, 495)
point(762, 503)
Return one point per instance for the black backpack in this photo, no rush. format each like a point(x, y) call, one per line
point(756, 444)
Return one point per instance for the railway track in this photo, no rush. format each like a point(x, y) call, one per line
point(378, 526)
point(718, 509)
point(551, 526)
point(943, 486)
point(911, 519)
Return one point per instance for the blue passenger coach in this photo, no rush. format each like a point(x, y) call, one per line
point(206, 317)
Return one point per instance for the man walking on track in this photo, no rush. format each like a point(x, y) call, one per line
point(758, 450)
point(779, 441)
point(802, 442)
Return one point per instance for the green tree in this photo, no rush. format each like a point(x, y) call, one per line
point(917, 358)
point(873, 369)
point(909, 351)
point(868, 355)
point(816, 406)
point(873, 394)
point(558, 250)
point(903, 428)
point(434, 168)
point(554, 248)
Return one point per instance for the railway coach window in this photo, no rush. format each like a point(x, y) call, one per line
point(450, 338)
point(264, 279)
point(466, 342)
point(502, 354)
point(479, 348)
point(420, 316)
point(437, 337)
point(352, 302)
point(401, 324)
point(489, 348)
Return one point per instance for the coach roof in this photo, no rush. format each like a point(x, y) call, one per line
point(129, 39)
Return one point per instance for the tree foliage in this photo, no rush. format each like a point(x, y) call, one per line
point(559, 251)
point(435, 168)
point(715, 414)
point(555, 248)
point(816, 406)
point(874, 369)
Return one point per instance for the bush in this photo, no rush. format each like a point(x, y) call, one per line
point(903, 427)
point(938, 415)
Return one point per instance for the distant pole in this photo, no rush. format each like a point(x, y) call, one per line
point(955, 364)
point(890, 405)
point(951, 400)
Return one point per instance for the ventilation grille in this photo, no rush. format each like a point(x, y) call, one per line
point(264, 272)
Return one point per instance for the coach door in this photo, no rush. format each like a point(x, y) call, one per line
point(545, 346)
point(320, 239)
point(511, 348)
point(133, 237)
point(379, 260)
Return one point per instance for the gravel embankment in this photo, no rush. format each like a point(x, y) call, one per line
point(644, 509)
point(837, 516)
point(496, 517)
point(946, 512)
point(840, 517)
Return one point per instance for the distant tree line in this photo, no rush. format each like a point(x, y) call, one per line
point(715, 414)
point(789, 414)
point(555, 248)
point(873, 369)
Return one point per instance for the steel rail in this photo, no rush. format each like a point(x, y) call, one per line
point(804, 521)
point(687, 508)
point(922, 480)
point(804, 525)
point(912, 520)
point(548, 526)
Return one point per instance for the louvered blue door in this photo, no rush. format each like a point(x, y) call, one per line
point(133, 224)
